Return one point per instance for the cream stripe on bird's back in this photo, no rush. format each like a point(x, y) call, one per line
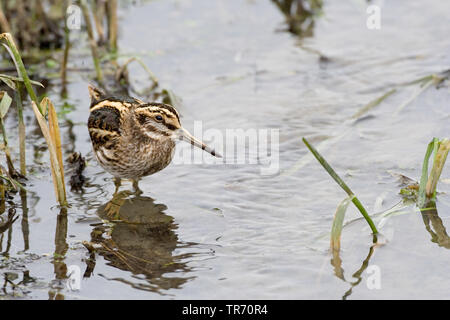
point(121, 106)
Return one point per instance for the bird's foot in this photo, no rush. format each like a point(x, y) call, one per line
point(112, 211)
point(137, 190)
point(112, 208)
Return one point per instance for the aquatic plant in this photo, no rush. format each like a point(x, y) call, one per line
point(52, 137)
point(338, 225)
point(92, 42)
point(423, 194)
point(110, 75)
point(342, 184)
point(50, 131)
point(428, 183)
point(300, 15)
point(35, 24)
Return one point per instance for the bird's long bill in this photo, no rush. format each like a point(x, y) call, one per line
point(186, 136)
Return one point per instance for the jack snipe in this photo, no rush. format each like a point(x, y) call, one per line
point(131, 138)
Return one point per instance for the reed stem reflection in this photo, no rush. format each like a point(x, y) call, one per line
point(336, 262)
point(24, 223)
point(434, 226)
point(61, 246)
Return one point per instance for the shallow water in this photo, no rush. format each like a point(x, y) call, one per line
point(226, 231)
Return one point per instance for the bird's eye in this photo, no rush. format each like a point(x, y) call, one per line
point(159, 118)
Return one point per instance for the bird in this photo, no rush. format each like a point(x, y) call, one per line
point(131, 138)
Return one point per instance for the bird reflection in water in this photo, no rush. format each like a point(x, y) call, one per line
point(143, 242)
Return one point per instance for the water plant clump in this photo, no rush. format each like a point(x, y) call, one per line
point(439, 149)
point(35, 24)
point(423, 193)
point(49, 129)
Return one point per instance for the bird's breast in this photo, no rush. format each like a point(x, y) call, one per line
point(143, 158)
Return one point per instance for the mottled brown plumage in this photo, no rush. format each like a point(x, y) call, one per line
point(132, 139)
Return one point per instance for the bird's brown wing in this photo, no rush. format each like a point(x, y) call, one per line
point(104, 126)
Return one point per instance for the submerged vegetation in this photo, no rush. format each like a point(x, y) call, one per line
point(300, 15)
point(424, 195)
point(426, 192)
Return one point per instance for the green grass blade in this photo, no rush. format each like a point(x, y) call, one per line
point(15, 55)
point(22, 131)
point(5, 103)
point(342, 184)
point(11, 80)
point(338, 223)
point(328, 168)
point(441, 152)
point(424, 178)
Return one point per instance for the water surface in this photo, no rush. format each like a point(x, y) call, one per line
point(226, 231)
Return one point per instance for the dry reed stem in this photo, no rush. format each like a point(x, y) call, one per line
point(56, 166)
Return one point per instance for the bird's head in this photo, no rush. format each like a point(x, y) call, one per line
point(157, 121)
point(162, 121)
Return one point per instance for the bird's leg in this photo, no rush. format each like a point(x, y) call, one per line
point(112, 208)
point(117, 183)
point(137, 191)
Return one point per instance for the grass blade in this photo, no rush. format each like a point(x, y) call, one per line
point(338, 223)
point(424, 178)
point(15, 55)
point(22, 133)
point(328, 168)
point(436, 170)
point(92, 43)
point(5, 103)
point(56, 137)
point(143, 65)
point(11, 80)
point(112, 24)
point(57, 174)
point(342, 184)
point(373, 104)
